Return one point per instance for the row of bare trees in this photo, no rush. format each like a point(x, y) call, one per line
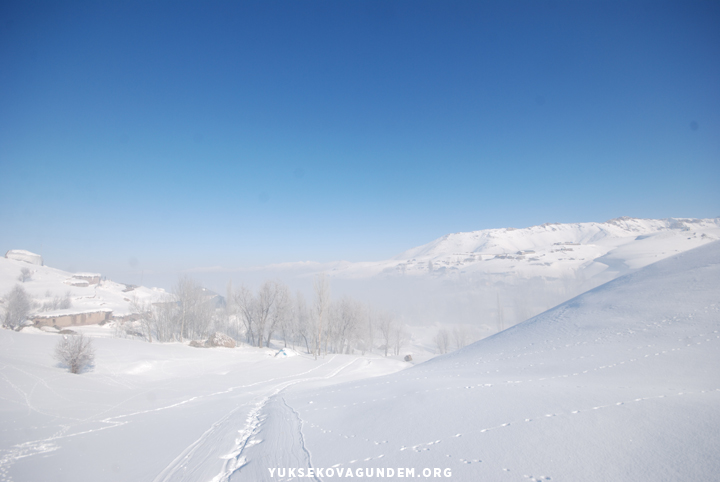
point(189, 312)
point(323, 326)
point(272, 313)
point(449, 340)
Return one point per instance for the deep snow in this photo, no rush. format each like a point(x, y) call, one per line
point(620, 383)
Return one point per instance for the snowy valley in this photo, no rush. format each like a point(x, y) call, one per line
point(617, 383)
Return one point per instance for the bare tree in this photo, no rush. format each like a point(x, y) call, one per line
point(17, 307)
point(244, 302)
point(76, 352)
point(400, 337)
point(57, 302)
point(320, 307)
point(264, 313)
point(165, 313)
point(280, 310)
point(461, 336)
point(442, 340)
point(385, 324)
point(303, 321)
point(25, 275)
point(348, 316)
point(148, 317)
point(265, 304)
point(367, 332)
point(194, 311)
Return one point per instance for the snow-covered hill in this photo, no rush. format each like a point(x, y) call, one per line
point(620, 383)
point(49, 287)
point(550, 250)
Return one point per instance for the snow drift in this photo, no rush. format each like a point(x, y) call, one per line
point(620, 383)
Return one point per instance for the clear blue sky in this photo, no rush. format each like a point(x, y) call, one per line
point(174, 135)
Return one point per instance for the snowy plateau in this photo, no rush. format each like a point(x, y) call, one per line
point(618, 382)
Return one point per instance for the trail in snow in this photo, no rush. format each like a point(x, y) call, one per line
point(237, 459)
point(237, 432)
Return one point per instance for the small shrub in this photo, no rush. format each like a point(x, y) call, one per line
point(25, 275)
point(76, 352)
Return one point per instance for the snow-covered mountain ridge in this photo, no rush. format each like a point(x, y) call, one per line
point(549, 250)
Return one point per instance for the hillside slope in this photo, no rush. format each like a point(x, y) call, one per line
point(620, 383)
point(548, 250)
point(47, 286)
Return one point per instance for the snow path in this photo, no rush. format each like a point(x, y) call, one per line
point(162, 412)
point(37, 447)
point(236, 460)
point(191, 464)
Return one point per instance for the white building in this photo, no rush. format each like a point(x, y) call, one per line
point(27, 256)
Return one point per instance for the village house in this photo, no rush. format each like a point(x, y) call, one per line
point(68, 318)
point(22, 255)
point(91, 278)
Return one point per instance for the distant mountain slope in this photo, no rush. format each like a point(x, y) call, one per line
point(619, 384)
point(549, 250)
point(495, 278)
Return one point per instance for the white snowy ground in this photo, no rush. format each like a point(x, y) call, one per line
point(621, 383)
point(145, 412)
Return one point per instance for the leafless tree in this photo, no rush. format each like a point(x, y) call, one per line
point(188, 295)
point(76, 352)
point(385, 324)
point(25, 274)
point(348, 315)
point(165, 317)
point(320, 307)
point(303, 326)
point(265, 304)
point(244, 302)
point(17, 307)
point(461, 336)
point(264, 313)
point(147, 315)
point(194, 308)
point(280, 311)
point(57, 302)
point(442, 340)
point(400, 337)
point(367, 332)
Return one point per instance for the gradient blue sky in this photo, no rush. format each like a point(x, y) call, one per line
point(163, 136)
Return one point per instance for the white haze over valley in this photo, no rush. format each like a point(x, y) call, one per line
point(495, 277)
point(597, 360)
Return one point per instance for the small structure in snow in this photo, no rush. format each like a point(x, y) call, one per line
point(90, 278)
point(220, 339)
point(285, 352)
point(22, 255)
point(69, 318)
